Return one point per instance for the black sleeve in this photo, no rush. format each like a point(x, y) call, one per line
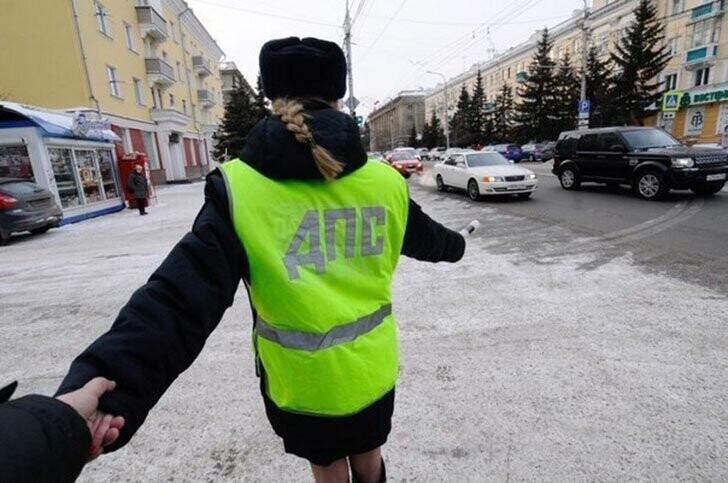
point(429, 241)
point(41, 439)
point(165, 324)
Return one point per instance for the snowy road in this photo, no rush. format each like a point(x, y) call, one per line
point(548, 353)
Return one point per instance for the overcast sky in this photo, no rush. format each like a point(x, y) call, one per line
point(395, 41)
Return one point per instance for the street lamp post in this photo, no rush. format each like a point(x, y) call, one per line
point(447, 109)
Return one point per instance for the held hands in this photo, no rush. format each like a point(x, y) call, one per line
point(104, 428)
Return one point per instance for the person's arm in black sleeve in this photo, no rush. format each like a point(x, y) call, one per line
point(429, 241)
point(165, 324)
point(41, 439)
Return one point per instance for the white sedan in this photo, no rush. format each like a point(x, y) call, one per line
point(484, 173)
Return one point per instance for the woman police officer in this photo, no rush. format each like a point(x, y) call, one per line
point(315, 230)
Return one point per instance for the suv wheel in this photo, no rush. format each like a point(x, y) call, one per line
point(569, 178)
point(650, 185)
point(708, 189)
point(473, 190)
point(440, 183)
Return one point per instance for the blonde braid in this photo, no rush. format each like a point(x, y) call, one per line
point(291, 113)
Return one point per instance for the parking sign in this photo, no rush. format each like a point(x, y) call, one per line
point(584, 106)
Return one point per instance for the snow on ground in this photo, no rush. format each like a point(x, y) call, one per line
point(513, 367)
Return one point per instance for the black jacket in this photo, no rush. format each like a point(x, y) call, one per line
point(163, 327)
point(137, 185)
point(41, 439)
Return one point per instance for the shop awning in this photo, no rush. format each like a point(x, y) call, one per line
point(54, 123)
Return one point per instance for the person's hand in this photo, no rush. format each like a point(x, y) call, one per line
point(104, 428)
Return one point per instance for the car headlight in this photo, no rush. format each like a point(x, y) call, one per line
point(683, 163)
point(531, 176)
point(492, 179)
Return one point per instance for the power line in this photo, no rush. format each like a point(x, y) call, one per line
point(267, 14)
point(386, 26)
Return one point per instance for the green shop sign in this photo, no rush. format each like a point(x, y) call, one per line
point(670, 100)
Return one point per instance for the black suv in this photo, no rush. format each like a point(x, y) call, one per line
point(647, 158)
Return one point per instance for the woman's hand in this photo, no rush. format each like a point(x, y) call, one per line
point(104, 428)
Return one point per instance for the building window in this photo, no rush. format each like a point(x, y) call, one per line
point(15, 162)
point(184, 106)
point(179, 71)
point(509, 72)
point(672, 46)
point(705, 32)
point(129, 35)
point(702, 76)
point(102, 19)
point(171, 100)
point(113, 81)
point(677, 6)
point(154, 98)
point(173, 31)
point(65, 174)
point(670, 82)
point(138, 91)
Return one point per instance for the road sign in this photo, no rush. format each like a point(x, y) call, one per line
point(352, 103)
point(584, 106)
point(359, 120)
point(583, 115)
point(583, 124)
point(671, 101)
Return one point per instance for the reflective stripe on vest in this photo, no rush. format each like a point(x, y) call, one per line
point(313, 341)
point(321, 257)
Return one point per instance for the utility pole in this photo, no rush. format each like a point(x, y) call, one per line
point(584, 49)
point(447, 109)
point(347, 46)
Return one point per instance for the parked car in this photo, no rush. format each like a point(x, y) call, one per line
point(509, 151)
point(547, 154)
point(484, 174)
point(533, 151)
point(25, 206)
point(424, 153)
point(405, 162)
point(436, 154)
point(648, 159)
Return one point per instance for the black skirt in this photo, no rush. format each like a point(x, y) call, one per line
point(323, 440)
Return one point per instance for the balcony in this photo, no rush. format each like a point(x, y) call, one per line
point(159, 72)
point(521, 77)
point(699, 56)
point(707, 10)
point(205, 98)
point(170, 118)
point(151, 23)
point(201, 66)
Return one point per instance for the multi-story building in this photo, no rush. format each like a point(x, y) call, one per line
point(232, 79)
point(391, 123)
point(607, 21)
point(697, 72)
point(148, 66)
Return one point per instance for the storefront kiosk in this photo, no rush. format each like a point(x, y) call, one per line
point(71, 155)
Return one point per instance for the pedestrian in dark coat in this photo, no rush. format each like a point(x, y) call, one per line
point(139, 188)
point(163, 328)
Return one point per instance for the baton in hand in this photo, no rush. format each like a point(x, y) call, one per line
point(470, 229)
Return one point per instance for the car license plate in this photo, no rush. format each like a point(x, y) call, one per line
point(715, 177)
point(517, 187)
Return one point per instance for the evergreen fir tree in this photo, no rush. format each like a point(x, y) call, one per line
point(413, 142)
point(503, 115)
point(366, 136)
point(567, 91)
point(598, 88)
point(261, 104)
point(476, 112)
point(639, 57)
point(241, 115)
point(433, 134)
point(535, 111)
point(460, 134)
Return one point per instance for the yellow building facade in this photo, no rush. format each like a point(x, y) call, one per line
point(697, 38)
point(148, 66)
